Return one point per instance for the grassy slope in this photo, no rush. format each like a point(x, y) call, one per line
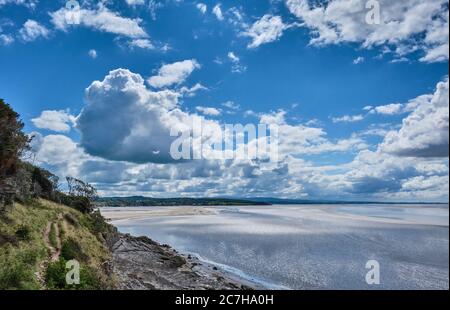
point(23, 249)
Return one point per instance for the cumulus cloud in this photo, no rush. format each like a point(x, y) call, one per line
point(125, 140)
point(27, 3)
point(267, 29)
point(6, 39)
point(122, 120)
point(389, 109)
point(209, 111)
point(142, 43)
point(217, 11)
point(299, 139)
point(231, 105)
point(405, 25)
point(358, 60)
point(59, 121)
point(202, 7)
point(32, 30)
point(135, 2)
point(93, 54)
point(175, 73)
point(425, 132)
point(348, 118)
point(101, 19)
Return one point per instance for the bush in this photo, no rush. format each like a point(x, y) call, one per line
point(71, 249)
point(55, 277)
point(23, 233)
point(82, 204)
point(17, 275)
point(6, 238)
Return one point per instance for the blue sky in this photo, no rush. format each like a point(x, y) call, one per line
point(313, 65)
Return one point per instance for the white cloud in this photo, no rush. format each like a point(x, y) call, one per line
point(6, 39)
point(217, 11)
point(389, 109)
point(28, 3)
point(267, 29)
point(32, 30)
point(122, 120)
point(425, 132)
point(175, 73)
point(236, 67)
point(93, 54)
point(304, 140)
point(231, 105)
point(210, 111)
point(142, 43)
point(202, 7)
point(358, 60)
point(192, 91)
point(348, 118)
point(233, 57)
point(57, 149)
point(101, 19)
point(406, 25)
point(135, 2)
point(59, 121)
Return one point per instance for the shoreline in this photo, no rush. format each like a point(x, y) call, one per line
point(198, 264)
point(140, 263)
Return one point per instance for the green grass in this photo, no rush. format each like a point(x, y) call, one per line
point(52, 237)
point(22, 246)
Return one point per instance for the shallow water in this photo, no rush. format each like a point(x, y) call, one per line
point(314, 246)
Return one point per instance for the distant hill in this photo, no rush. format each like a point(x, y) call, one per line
point(140, 201)
point(281, 201)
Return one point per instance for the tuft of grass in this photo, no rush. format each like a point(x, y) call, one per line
point(53, 238)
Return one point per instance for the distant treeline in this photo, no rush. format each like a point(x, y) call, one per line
point(138, 201)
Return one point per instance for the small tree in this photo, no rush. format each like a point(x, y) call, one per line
point(80, 195)
point(80, 188)
point(13, 142)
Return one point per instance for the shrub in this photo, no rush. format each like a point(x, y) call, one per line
point(6, 238)
point(17, 275)
point(71, 219)
point(82, 204)
point(55, 277)
point(71, 249)
point(23, 233)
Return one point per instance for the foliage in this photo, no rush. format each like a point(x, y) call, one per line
point(13, 142)
point(80, 188)
point(55, 277)
point(138, 201)
point(71, 249)
point(23, 233)
point(82, 204)
point(20, 259)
